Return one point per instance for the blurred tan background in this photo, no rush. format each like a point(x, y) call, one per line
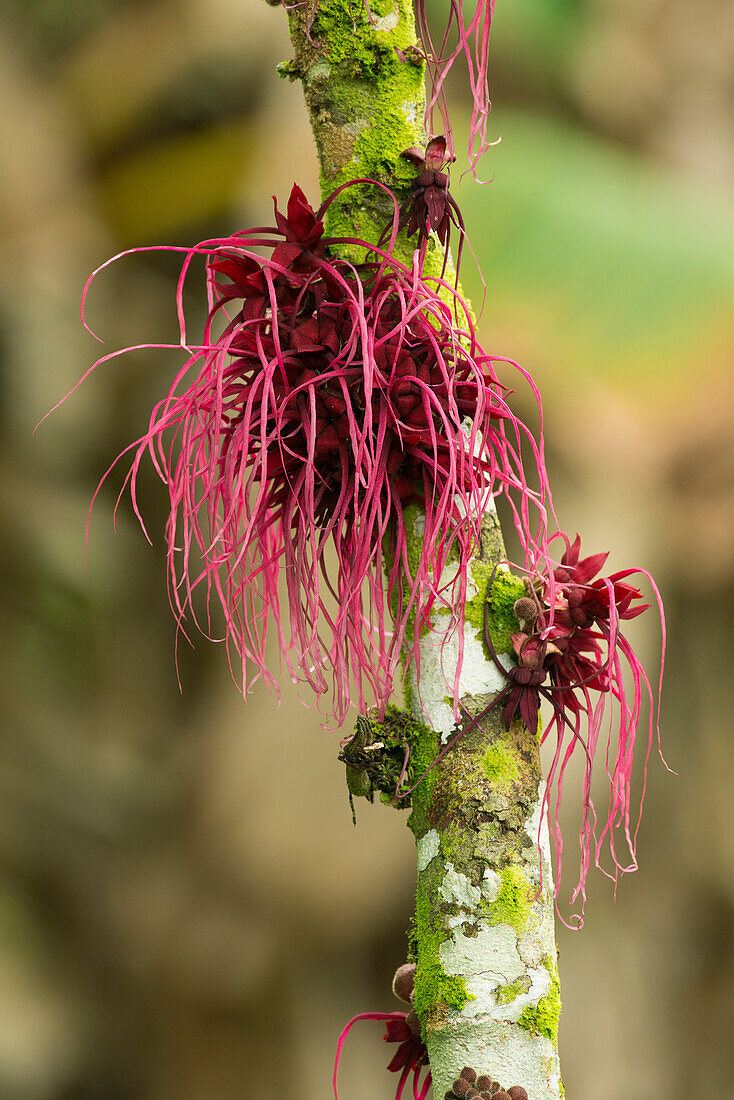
point(186, 911)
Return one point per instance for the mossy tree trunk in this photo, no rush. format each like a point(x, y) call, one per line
point(486, 986)
point(486, 981)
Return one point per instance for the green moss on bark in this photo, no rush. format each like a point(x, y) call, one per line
point(506, 589)
point(500, 765)
point(543, 1018)
point(436, 992)
point(366, 105)
point(506, 994)
point(375, 756)
point(512, 905)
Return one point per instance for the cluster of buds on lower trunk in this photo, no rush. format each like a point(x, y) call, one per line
point(471, 1085)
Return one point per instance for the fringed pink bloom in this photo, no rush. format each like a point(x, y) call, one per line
point(600, 692)
point(465, 36)
point(324, 398)
point(570, 652)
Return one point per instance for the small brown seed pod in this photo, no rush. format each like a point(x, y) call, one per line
point(526, 610)
point(484, 1083)
point(517, 1092)
point(469, 1074)
point(501, 1095)
point(461, 1086)
point(403, 982)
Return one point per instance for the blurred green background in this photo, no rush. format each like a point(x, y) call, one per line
point(185, 909)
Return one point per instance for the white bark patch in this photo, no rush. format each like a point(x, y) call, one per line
point(540, 983)
point(541, 840)
point(388, 22)
point(510, 1054)
point(439, 655)
point(427, 849)
point(439, 658)
point(457, 888)
point(486, 1033)
point(491, 884)
point(485, 961)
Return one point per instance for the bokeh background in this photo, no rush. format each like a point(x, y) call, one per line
point(186, 911)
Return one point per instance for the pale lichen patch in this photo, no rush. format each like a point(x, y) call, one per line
point(491, 883)
point(440, 651)
point(457, 889)
point(427, 849)
point(388, 22)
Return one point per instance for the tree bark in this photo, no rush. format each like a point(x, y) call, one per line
point(487, 988)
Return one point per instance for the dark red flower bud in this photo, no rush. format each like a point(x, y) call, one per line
point(336, 405)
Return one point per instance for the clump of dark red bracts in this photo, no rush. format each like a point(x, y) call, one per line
point(403, 1028)
point(471, 1085)
point(570, 651)
point(327, 396)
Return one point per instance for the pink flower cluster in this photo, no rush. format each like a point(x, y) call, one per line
point(325, 397)
point(571, 652)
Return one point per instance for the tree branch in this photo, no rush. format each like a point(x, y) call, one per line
point(486, 982)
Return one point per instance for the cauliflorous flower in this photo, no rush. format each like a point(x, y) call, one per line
point(325, 397)
point(431, 206)
point(410, 1057)
point(403, 1028)
point(571, 652)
